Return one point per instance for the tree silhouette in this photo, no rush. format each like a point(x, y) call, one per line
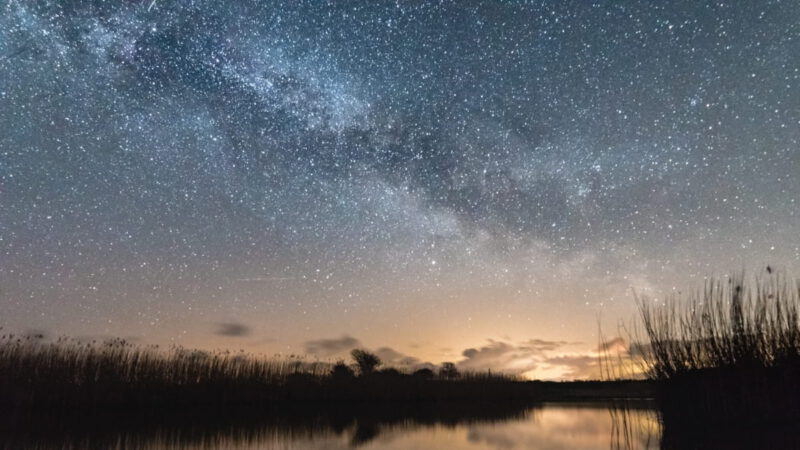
point(424, 373)
point(449, 371)
point(341, 371)
point(366, 361)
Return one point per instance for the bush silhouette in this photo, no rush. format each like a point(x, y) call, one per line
point(424, 374)
point(390, 372)
point(366, 361)
point(341, 371)
point(448, 371)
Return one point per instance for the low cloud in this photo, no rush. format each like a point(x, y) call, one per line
point(501, 357)
point(232, 329)
point(331, 347)
point(392, 358)
point(541, 346)
point(613, 346)
point(538, 357)
point(576, 366)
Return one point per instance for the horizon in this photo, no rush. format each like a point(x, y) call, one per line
point(487, 184)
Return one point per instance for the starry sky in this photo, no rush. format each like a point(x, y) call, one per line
point(482, 182)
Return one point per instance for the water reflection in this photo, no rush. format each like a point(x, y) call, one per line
point(469, 425)
point(500, 425)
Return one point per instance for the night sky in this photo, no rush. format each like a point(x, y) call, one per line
point(478, 182)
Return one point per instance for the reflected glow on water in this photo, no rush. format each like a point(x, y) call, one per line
point(552, 426)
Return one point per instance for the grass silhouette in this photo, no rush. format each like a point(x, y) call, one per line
point(68, 374)
point(729, 353)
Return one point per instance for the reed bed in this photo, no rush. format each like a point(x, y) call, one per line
point(116, 360)
point(68, 374)
point(71, 373)
point(729, 352)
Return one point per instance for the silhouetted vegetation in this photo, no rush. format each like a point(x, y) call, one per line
point(68, 374)
point(729, 354)
point(342, 372)
point(424, 373)
point(449, 371)
point(366, 361)
point(638, 425)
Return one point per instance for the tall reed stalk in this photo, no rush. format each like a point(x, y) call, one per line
point(730, 324)
point(730, 353)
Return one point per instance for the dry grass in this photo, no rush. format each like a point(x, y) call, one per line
point(68, 374)
point(727, 325)
point(730, 352)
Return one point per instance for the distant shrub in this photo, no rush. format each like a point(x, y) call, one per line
point(390, 372)
point(448, 371)
point(366, 361)
point(423, 374)
point(341, 371)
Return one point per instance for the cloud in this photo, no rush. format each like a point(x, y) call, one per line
point(330, 347)
point(232, 329)
point(613, 346)
point(392, 358)
point(541, 346)
point(576, 366)
point(501, 357)
point(536, 357)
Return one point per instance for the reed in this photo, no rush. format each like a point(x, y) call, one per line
point(729, 352)
point(66, 374)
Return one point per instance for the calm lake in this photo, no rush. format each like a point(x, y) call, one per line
point(464, 426)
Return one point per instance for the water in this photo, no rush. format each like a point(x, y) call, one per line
point(456, 426)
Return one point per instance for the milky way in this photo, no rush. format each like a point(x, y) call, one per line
point(420, 175)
